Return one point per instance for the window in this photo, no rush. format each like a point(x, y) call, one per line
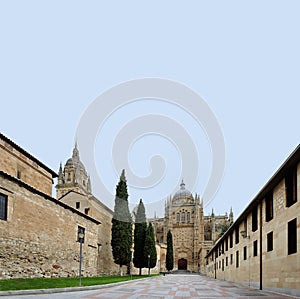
point(226, 261)
point(223, 247)
point(255, 248)
point(237, 259)
point(177, 217)
point(222, 264)
point(270, 241)
point(183, 217)
point(188, 217)
point(86, 211)
point(77, 205)
point(254, 219)
point(19, 174)
point(3, 207)
point(292, 236)
point(291, 187)
point(231, 259)
point(269, 206)
point(245, 253)
point(226, 244)
point(237, 236)
point(231, 240)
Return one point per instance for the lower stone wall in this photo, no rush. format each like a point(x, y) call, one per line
point(21, 259)
point(39, 237)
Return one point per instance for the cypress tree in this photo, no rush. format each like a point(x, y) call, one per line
point(169, 256)
point(121, 239)
point(150, 248)
point(139, 237)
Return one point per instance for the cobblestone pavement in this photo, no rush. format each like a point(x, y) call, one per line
point(169, 286)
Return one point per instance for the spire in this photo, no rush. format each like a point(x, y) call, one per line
point(182, 185)
point(231, 216)
point(212, 213)
point(89, 186)
point(75, 152)
point(60, 175)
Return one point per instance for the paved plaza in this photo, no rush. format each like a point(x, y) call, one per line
point(169, 286)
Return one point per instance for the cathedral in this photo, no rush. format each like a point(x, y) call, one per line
point(193, 233)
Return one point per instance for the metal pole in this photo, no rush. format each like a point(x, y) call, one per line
point(149, 265)
point(80, 261)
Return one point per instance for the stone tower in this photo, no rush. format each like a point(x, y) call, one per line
point(184, 217)
point(73, 177)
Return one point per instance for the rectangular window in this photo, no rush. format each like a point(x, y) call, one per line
point(237, 236)
point(255, 248)
point(254, 219)
point(77, 205)
point(231, 259)
point(226, 244)
point(245, 253)
point(292, 236)
point(231, 240)
point(237, 259)
point(177, 217)
point(19, 174)
point(222, 264)
point(226, 261)
point(269, 206)
point(291, 187)
point(223, 247)
point(188, 217)
point(3, 207)
point(270, 241)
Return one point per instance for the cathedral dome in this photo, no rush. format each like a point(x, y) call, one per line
point(69, 162)
point(183, 195)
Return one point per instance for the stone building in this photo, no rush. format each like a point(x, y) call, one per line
point(38, 233)
point(193, 233)
point(74, 189)
point(262, 247)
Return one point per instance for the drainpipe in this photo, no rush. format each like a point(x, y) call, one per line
point(260, 246)
point(215, 265)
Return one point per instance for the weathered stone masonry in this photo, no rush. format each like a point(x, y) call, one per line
point(39, 237)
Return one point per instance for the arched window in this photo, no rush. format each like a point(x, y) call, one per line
point(178, 218)
point(188, 217)
point(183, 217)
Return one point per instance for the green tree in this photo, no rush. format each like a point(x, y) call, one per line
point(169, 256)
point(121, 237)
point(150, 249)
point(139, 237)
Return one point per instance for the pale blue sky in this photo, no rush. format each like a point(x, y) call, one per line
point(241, 57)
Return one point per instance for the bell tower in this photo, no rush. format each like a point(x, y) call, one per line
point(73, 176)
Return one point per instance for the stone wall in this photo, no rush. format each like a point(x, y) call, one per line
point(39, 237)
point(14, 162)
point(94, 208)
point(280, 270)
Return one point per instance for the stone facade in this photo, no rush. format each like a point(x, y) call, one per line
point(39, 236)
point(74, 189)
point(18, 163)
point(193, 233)
point(38, 233)
point(262, 247)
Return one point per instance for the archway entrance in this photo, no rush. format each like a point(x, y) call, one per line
point(182, 264)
